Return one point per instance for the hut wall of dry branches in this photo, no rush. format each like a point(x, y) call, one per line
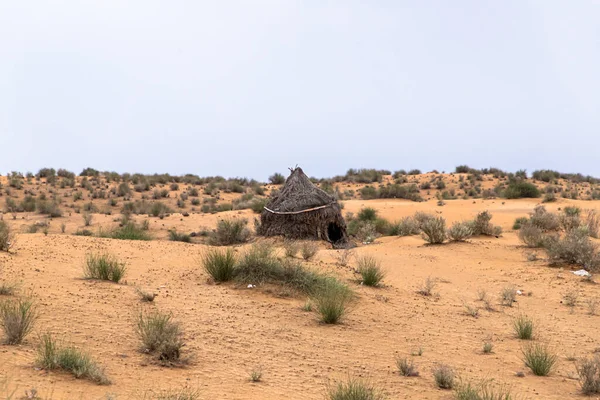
point(303, 211)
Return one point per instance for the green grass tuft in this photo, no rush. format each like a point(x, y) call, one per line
point(104, 267)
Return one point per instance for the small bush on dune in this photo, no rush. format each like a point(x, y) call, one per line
point(309, 250)
point(407, 226)
point(508, 296)
point(574, 247)
point(433, 230)
point(160, 335)
point(367, 214)
point(460, 231)
point(481, 391)
point(230, 231)
point(179, 237)
point(532, 236)
point(406, 367)
point(520, 222)
point(593, 223)
point(444, 376)
point(354, 389)
point(331, 299)
point(539, 359)
point(17, 318)
point(570, 218)
point(544, 219)
point(105, 267)
point(52, 356)
point(129, 231)
point(7, 238)
point(482, 225)
point(589, 375)
point(277, 179)
point(518, 190)
point(181, 394)
point(220, 265)
point(370, 270)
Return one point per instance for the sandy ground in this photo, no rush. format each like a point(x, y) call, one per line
point(231, 330)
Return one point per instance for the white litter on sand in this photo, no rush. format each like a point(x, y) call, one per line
point(582, 272)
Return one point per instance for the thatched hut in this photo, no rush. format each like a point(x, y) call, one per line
point(303, 211)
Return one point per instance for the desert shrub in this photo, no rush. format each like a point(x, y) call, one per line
point(482, 225)
point(370, 270)
point(309, 250)
point(426, 288)
point(508, 296)
point(545, 175)
point(295, 276)
point(570, 218)
point(6, 236)
point(521, 189)
point(592, 222)
point(291, 248)
point(17, 318)
point(179, 237)
point(354, 389)
point(433, 230)
point(50, 208)
point(28, 204)
point(230, 231)
point(589, 375)
point(523, 326)
point(84, 232)
point(174, 186)
point(532, 236)
point(258, 205)
point(277, 179)
point(52, 356)
point(406, 367)
point(259, 265)
point(123, 189)
point(129, 231)
point(368, 193)
point(331, 299)
point(87, 219)
point(549, 198)
point(366, 232)
point(520, 222)
point(484, 390)
point(367, 214)
point(444, 376)
point(181, 394)
point(407, 226)
point(103, 266)
point(544, 219)
point(460, 231)
point(573, 247)
point(159, 209)
point(539, 359)
point(220, 265)
point(159, 335)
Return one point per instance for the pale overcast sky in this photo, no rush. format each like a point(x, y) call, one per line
point(247, 88)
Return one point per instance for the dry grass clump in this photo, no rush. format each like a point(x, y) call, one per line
point(344, 256)
point(52, 356)
point(104, 266)
point(370, 270)
point(256, 374)
point(406, 367)
point(544, 219)
point(230, 231)
point(309, 250)
point(407, 226)
point(160, 335)
point(426, 289)
point(589, 375)
point(433, 230)
point(523, 326)
point(291, 248)
point(354, 389)
point(180, 394)
point(331, 299)
point(6, 237)
point(484, 390)
point(460, 231)
point(17, 319)
point(179, 237)
point(444, 376)
point(508, 296)
point(539, 359)
point(128, 231)
point(220, 265)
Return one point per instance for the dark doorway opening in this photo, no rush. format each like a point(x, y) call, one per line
point(334, 233)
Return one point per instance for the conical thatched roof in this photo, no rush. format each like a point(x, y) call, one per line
point(303, 211)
